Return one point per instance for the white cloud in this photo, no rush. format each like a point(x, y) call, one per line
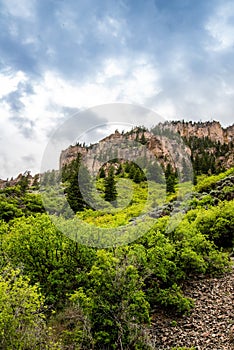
point(13, 29)
point(21, 9)
point(13, 146)
point(9, 81)
point(119, 81)
point(221, 27)
point(166, 108)
point(109, 26)
point(112, 69)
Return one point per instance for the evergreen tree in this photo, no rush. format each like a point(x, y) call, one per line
point(154, 172)
point(137, 178)
point(35, 183)
point(168, 171)
point(85, 184)
point(127, 167)
point(102, 174)
point(137, 136)
point(170, 184)
point(70, 177)
point(24, 181)
point(110, 192)
point(132, 171)
point(170, 176)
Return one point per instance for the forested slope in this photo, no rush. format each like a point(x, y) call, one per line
point(60, 294)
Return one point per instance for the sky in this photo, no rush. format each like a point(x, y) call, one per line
point(58, 58)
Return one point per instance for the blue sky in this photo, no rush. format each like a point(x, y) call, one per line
point(175, 57)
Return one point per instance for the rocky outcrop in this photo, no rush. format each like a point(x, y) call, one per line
point(129, 147)
point(212, 130)
point(69, 154)
point(165, 143)
point(116, 146)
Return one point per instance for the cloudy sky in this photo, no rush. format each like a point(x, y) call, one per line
point(58, 57)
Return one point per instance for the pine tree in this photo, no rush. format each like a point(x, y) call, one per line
point(137, 176)
point(132, 171)
point(102, 174)
point(137, 136)
point(168, 170)
point(154, 173)
point(170, 184)
point(170, 179)
point(110, 192)
point(127, 167)
point(70, 177)
point(35, 183)
point(24, 181)
point(85, 185)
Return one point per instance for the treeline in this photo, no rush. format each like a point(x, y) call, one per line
point(207, 155)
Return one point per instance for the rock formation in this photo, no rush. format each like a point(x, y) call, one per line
point(212, 130)
point(166, 142)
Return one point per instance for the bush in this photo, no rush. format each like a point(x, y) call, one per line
point(22, 323)
point(174, 299)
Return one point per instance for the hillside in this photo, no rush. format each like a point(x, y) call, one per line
point(133, 262)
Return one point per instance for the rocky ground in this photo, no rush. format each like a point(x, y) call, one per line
point(209, 326)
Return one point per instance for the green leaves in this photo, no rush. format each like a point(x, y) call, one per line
point(173, 298)
point(114, 301)
point(22, 324)
point(209, 182)
point(47, 255)
point(103, 299)
point(15, 203)
point(217, 223)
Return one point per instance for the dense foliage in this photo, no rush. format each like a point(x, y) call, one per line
point(58, 294)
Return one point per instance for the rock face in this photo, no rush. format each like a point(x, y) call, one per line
point(212, 130)
point(165, 143)
point(116, 146)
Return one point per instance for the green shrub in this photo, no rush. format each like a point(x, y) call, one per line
point(174, 299)
point(209, 182)
point(22, 323)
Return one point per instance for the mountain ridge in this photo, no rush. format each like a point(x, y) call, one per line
point(161, 142)
point(157, 145)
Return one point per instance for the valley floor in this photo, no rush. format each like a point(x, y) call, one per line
point(210, 326)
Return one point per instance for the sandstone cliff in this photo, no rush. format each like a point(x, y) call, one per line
point(166, 142)
point(212, 130)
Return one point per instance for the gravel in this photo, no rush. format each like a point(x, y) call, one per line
point(210, 325)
